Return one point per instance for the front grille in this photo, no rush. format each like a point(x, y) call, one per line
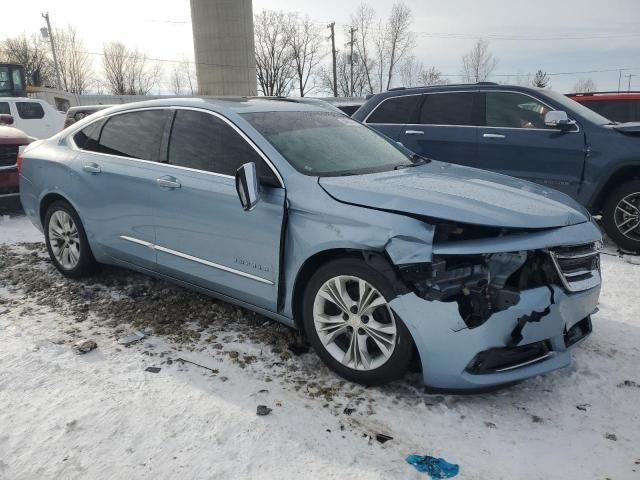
point(8, 155)
point(578, 266)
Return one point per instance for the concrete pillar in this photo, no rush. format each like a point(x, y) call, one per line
point(224, 49)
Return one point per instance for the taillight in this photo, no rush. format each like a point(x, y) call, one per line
point(19, 162)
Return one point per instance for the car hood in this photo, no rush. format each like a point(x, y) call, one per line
point(461, 194)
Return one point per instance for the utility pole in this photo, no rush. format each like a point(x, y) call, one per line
point(630, 76)
point(53, 49)
point(351, 42)
point(333, 53)
point(619, 79)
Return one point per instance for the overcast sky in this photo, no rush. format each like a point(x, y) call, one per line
point(525, 35)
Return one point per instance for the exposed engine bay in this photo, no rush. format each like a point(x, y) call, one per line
point(481, 284)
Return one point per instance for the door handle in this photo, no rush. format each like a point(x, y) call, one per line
point(414, 132)
point(493, 135)
point(92, 168)
point(168, 182)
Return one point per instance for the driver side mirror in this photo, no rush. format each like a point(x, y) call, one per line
point(6, 119)
point(558, 119)
point(247, 186)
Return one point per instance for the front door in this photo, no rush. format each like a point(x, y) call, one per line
point(515, 141)
point(203, 236)
point(444, 128)
point(114, 183)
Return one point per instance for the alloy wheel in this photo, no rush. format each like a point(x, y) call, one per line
point(64, 239)
point(354, 323)
point(627, 216)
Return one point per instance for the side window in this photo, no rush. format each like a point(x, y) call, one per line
point(514, 110)
point(135, 135)
point(395, 110)
point(616, 110)
point(4, 108)
point(88, 137)
point(204, 142)
point(454, 108)
point(30, 110)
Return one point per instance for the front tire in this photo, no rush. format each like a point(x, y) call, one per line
point(67, 242)
point(349, 323)
point(621, 216)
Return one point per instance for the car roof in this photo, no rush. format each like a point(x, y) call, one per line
point(229, 104)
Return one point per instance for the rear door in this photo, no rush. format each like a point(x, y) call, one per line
point(203, 235)
point(444, 128)
point(393, 113)
point(515, 141)
point(32, 118)
point(115, 183)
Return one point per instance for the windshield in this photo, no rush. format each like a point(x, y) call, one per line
point(326, 143)
point(573, 106)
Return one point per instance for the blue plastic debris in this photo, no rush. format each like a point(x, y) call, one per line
point(435, 467)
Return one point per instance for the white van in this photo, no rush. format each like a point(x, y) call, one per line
point(35, 117)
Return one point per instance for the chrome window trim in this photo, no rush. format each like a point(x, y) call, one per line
point(468, 126)
point(73, 145)
point(202, 261)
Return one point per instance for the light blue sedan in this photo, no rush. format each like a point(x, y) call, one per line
point(308, 217)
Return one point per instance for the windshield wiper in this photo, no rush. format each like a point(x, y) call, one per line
point(417, 161)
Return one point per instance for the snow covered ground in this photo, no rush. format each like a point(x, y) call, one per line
point(101, 415)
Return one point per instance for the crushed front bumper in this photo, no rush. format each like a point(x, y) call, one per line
point(449, 350)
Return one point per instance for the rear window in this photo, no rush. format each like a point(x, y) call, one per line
point(29, 110)
point(395, 110)
point(454, 108)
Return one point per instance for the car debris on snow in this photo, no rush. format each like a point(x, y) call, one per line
point(153, 369)
point(585, 407)
point(382, 438)
point(132, 338)
point(84, 347)
point(263, 410)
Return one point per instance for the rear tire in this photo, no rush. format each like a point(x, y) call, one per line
point(362, 339)
point(67, 242)
point(621, 216)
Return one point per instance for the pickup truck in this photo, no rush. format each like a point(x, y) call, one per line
point(535, 134)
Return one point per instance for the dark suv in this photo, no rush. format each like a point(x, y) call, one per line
point(535, 134)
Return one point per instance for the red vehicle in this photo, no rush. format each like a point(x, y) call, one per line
point(620, 107)
point(11, 139)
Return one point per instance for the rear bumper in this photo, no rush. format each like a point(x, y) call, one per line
point(456, 357)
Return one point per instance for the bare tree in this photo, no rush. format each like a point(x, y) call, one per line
point(305, 41)
point(411, 71)
point(362, 20)
point(33, 55)
point(584, 85)
point(479, 63)
point(76, 68)
point(128, 72)
point(540, 79)
point(432, 76)
point(274, 59)
point(183, 78)
point(401, 38)
point(343, 71)
point(381, 48)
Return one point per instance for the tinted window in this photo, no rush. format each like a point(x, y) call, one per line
point(135, 135)
point(325, 144)
point(514, 110)
point(395, 110)
point(447, 109)
point(88, 137)
point(30, 110)
point(616, 110)
point(204, 142)
point(4, 108)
